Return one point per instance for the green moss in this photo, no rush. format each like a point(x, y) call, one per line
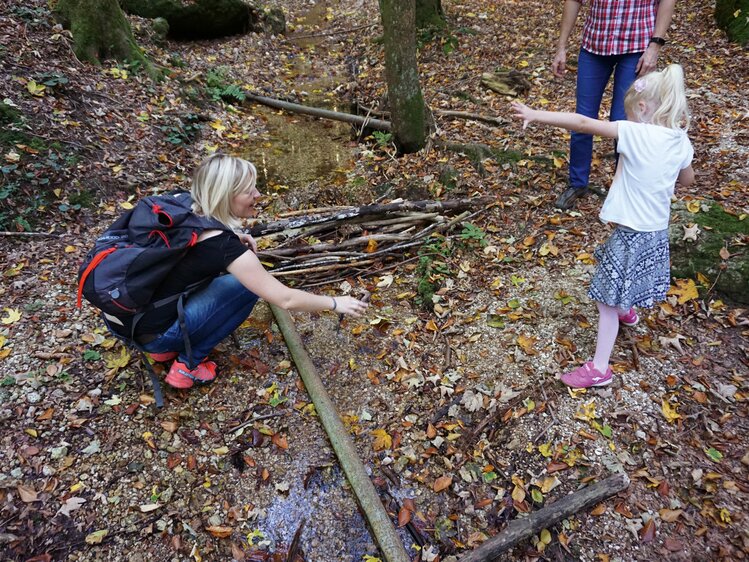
point(718, 230)
point(733, 17)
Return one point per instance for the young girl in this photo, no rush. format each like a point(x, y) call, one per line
point(223, 188)
point(654, 153)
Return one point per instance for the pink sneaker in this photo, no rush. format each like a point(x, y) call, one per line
point(164, 357)
point(631, 318)
point(181, 377)
point(587, 376)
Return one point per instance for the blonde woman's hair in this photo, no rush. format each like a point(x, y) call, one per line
point(666, 90)
point(216, 182)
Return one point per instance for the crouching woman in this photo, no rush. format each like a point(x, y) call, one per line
point(223, 188)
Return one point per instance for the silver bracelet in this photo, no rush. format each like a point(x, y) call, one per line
point(335, 304)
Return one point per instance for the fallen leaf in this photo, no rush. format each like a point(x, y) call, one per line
point(13, 315)
point(149, 507)
point(404, 516)
point(97, 536)
point(382, 440)
point(27, 495)
point(442, 483)
point(71, 504)
point(685, 290)
point(670, 515)
point(647, 533)
point(669, 411)
point(220, 531)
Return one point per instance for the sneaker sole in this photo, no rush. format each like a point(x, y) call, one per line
point(630, 324)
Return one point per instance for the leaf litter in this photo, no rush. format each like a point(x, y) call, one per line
point(457, 411)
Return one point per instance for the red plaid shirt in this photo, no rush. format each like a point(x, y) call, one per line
point(617, 27)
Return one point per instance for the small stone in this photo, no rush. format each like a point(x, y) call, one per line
point(33, 397)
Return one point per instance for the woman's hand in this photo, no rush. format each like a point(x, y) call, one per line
point(349, 305)
point(523, 112)
point(248, 241)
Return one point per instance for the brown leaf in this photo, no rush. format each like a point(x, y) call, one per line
point(220, 531)
point(431, 431)
point(169, 426)
point(556, 466)
point(670, 515)
point(724, 253)
point(622, 509)
point(409, 504)
point(647, 533)
point(404, 516)
point(27, 494)
point(442, 482)
point(173, 460)
point(600, 509)
point(279, 441)
point(46, 415)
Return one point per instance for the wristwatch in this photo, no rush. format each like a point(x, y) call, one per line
point(658, 40)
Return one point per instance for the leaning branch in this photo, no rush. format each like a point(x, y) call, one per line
point(324, 113)
point(382, 527)
point(521, 529)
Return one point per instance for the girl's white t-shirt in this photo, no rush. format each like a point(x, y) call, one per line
point(650, 159)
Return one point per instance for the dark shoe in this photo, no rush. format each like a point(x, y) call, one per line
point(567, 199)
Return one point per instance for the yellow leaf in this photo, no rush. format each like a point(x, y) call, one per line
point(14, 315)
point(518, 493)
point(523, 63)
point(35, 89)
point(371, 246)
point(685, 289)
point(527, 343)
point(558, 162)
point(70, 249)
point(217, 125)
point(120, 361)
point(693, 206)
point(32, 432)
point(382, 440)
point(545, 449)
point(97, 536)
point(669, 411)
point(126, 205)
point(586, 412)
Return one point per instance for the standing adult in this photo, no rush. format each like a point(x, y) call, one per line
point(623, 37)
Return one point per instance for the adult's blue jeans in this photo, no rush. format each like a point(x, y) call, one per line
point(210, 315)
point(593, 73)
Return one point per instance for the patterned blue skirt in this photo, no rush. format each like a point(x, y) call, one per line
point(633, 269)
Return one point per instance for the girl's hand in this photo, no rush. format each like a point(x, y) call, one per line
point(248, 241)
point(349, 305)
point(523, 112)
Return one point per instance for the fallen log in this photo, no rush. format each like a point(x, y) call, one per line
point(263, 229)
point(521, 529)
point(378, 124)
point(379, 521)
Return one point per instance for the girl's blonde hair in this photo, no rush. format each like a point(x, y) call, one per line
point(664, 89)
point(216, 182)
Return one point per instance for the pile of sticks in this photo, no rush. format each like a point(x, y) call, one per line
point(322, 246)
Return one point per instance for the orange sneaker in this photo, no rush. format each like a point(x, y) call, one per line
point(163, 357)
point(180, 376)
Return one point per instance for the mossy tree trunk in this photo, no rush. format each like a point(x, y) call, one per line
point(406, 102)
point(718, 232)
point(733, 17)
point(100, 31)
point(429, 14)
point(202, 19)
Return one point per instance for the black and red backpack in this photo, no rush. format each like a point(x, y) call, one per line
point(133, 257)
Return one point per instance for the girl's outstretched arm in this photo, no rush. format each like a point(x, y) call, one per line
point(569, 121)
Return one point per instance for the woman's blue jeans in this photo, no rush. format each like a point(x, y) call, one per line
point(210, 315)
point(593, 73)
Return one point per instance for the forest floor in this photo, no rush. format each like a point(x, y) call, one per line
point(457, 411)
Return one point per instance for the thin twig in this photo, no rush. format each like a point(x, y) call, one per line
point(31, 234)
point(331, 33)
point(257, 418)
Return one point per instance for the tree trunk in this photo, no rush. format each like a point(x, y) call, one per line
point(202, 19)
point(429, 14)
point(100, 31)
point(733, 17)
point(406, 102)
